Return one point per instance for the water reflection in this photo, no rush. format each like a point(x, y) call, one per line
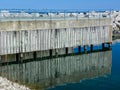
point(56, 71)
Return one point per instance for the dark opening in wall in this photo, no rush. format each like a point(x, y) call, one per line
point(26, 33)
point(103, 27)
point(15, 33)
point(56, 32)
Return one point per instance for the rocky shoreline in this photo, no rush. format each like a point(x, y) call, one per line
point(8, 85)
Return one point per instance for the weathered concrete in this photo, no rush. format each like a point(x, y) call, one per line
point(52, 24)
point(36, 36)
point(37, 40)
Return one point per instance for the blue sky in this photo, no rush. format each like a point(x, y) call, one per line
point(60, 4)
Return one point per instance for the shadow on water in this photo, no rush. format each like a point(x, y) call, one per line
point(49, 72)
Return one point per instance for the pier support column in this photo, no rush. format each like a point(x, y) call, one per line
point(79, 49)
point(34, 55)
point(50, 52)
point(85, 48)
point(91, 47)
point(18, 57)
point(66, 50)
point(103, 45)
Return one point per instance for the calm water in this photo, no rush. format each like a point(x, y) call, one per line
point(107, 81)
point(94, 71)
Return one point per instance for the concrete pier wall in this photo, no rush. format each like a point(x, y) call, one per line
point(36, 40)
point(30, 36)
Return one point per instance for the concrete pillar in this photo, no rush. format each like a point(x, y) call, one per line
point(91, 47)
point(103, 45)
point(66, 50)
point(18, 57)
point(50, 51)
point(85, 48)
point(35, 55)
point(79, 49)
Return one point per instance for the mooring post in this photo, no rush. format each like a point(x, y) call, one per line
point(79, 49)
point(66, 50)
point(50, 52)
point(91, 47)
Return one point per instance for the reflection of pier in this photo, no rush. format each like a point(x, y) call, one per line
point(60, 70)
